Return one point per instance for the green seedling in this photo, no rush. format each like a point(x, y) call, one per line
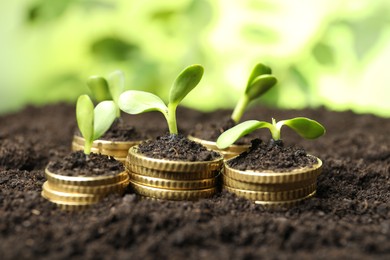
point(136, 102)
point(305, 127)
point(102, 89)
point(94, 122)
point(259, 82)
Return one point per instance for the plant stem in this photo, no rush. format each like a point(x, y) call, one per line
point(171, 119)
point(240, 108)
point(118, 111)
point(87, 147)
point(275, 130)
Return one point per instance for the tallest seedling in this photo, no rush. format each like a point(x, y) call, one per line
point(136, 102)
point(110, 89)
point(259, 82)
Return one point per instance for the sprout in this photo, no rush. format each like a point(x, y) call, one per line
point(93, 122)
point(136, 102)
point(259, 82)
point(305, 127)
point(111, 90)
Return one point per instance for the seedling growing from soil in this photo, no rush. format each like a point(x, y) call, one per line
point(94, 122)
point(305, 127)
point(136, 102)
point(102, 89)
point(259, 82)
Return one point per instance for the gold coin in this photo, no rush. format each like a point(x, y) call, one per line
point(265, 187)
point(84, 181)
point(117, 149)
point(172, 166)
point(95, 190)
point(173, 184)
point(170, 175)
point(169, 194)
point(69, 206)
point(232, 149)
point(273, 196)
point(271, 177)
point(284, 204)
point(83, 198)
point(106, 144)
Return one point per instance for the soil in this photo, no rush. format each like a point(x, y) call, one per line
point(78, 164)
point(210, 131)
point(272, 156)
point(176, 148)
point(122, 131)
point(348, 218)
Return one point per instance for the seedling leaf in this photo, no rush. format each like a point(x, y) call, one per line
point(184, 83)
point(259, 69)
point(99, 88)
point(84, 116)
point(116, 84)
point(233, 134)
point(259, 86)
point(136, 102)
point(104, 116)
point(305, 127)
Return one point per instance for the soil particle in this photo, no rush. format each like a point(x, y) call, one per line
point(177, 148)
point(273, 156)
point(79, 164)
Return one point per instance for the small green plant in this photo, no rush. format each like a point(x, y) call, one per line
point(94, 122)
point(136, 102)
point(259, 82)
point(102, 89)
point(305, 127)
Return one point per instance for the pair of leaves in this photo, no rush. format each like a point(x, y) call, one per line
point(94, 122)
point(259, 82)
point(107, 90)
point(136, 102)
point(305, 127)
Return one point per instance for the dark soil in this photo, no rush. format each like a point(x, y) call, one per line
point(210, 131)
point(349, 218)
point(122, 131)
point(176, 148)
point(78, 164)
point(273, 156)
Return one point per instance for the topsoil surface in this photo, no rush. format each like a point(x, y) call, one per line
point(78, 164)
point(176, 148)
point(272, 156)
point(348, 218)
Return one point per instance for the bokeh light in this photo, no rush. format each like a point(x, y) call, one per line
point(324, 53)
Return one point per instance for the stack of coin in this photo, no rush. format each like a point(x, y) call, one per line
point(116, 149)
point(227, 153)
point(172, 180)
point(273, 188)
point(74, 192)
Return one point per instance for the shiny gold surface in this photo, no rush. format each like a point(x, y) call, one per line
point(172, 166)
point(169, 194)
point(271, 177)
point(173, 184)
point(275, 195)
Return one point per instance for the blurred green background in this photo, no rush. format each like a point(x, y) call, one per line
point(331, 53)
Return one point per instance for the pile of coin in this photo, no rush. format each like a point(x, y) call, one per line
point(116, 149)
point(273, 188)
point(172, 180)
point(227, 153)
point(76, 192)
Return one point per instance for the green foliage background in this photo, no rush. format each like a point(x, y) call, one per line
point(331, 53)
